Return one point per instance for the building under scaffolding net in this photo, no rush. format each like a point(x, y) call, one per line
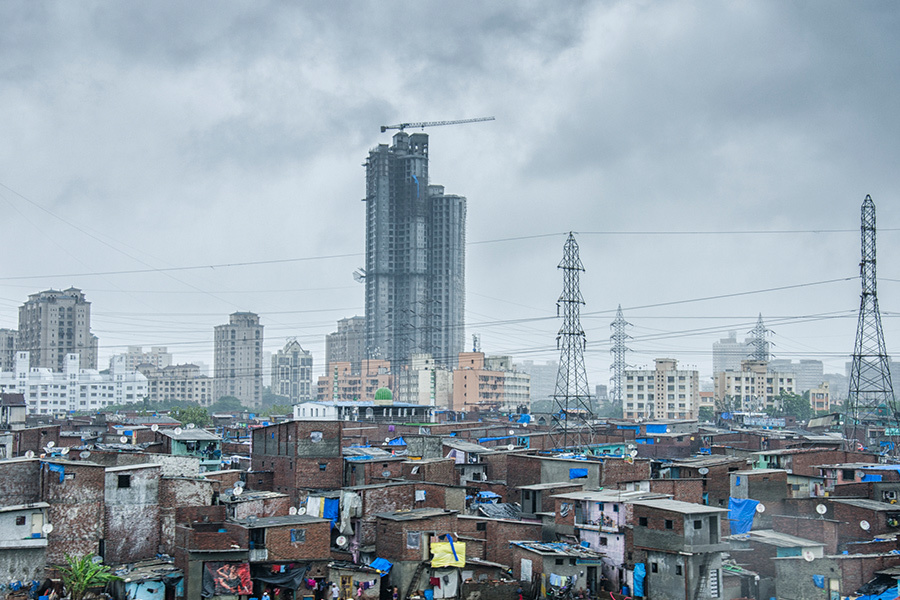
point(415, 257)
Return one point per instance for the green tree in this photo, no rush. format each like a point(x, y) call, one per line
point(81, 573)
point(707, 413)
point(271, 399)
point(227, 404)
point(794, 405)
point(191, 414)
point(279, 409)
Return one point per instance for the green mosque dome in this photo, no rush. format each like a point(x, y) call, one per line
point(383, 394)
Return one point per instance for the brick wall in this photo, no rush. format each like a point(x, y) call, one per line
point(522, 469)
point(391, 539)
point(617, 470)
point(21, 481)
point(34, 439)
point(494, 536)
point(263, 507)
point(316, 545)
point(132, 517)
point(684, 490)
point(437, 471)
point(76, 509)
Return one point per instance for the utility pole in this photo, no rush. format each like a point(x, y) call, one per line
point(871, 396)
point(758, 342)
point(572, 414)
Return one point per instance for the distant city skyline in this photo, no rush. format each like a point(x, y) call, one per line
point(183, 162)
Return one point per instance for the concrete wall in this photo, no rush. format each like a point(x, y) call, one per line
point(131, 514)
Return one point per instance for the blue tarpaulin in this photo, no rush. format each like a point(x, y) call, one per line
point(888, 594)
point(868, 477)
point(382, 565)
point(577, 473)
point(628, 427)
point(644, 441)
point(58, 469)
point(640, 571)
point(525, 418)
point(398, 441)
point(740, 513)
point(819, 581)
point(657, 429)
point(331, 510)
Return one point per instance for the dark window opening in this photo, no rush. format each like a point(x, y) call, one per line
point(642, 521)
point(323, 466)
point(698, 524)
point(669, 524)
point(20, 520)
point(481, 526)
point(124, 481)
point(654, 567)
point(678, 569)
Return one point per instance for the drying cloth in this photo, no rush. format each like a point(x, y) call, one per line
point(420, 495)
point(314, 506)
point(332, 510)
point(436, 581)
point(741, 513)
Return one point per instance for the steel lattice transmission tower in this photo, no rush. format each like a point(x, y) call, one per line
point(758, 343)
point(572, 415)
point(871, 392)
point(618, 350)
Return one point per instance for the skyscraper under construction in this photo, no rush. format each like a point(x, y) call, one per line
point(415, 257)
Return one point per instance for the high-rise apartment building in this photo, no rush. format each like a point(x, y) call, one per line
point(422, 382)
point(809, 373)
point(158, 356)
point(7, 349)
point(728, 353)
point(415, 257)
point(182, 383)
point(489, 383)
point(665, 392)
point(292, 373)
point(754, 388)
point(53, 324)
point(348, 343)
point(238, 359)
point(543, 380)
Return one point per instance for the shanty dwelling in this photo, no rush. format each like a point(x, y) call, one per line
point(23, 540)
point(555, 567)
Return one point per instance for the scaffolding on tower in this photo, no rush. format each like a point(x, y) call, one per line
point(573, 415)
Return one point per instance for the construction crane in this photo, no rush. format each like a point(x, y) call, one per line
point(402, 126)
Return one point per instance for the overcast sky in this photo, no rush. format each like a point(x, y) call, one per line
point(147, 137)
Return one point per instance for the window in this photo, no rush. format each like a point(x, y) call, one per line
point(678, 570)
point(848, 474)
point(603, 541)
point(642, 521)
point(20, 520)
point(559, 561)
point(413, 539)
point(654, 567)
point(669, 524)
point(615, 508)
point(698, 524)
point(298, 536)
point(481, 526)
point(323, 466)
point(124, 481)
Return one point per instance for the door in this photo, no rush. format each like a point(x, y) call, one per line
point(37, 524)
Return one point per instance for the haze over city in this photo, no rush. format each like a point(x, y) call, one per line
point(180, 162)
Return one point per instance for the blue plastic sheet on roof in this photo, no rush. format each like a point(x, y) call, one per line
point(58, 469)
point(871, 478)
point(657, 428)
point(577, 473)
point(888, 594)
point(648, 441)
point(628, 427)
point(383, 565)
point(640, 571)
point(397, 441)
point(819, 581)
point(487, 494)
point(740, 513)
point(524, 418)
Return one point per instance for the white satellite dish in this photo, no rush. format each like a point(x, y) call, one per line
point(238, 491)
point(386, 440)
point(511, 447)
point(760, 508)
point(703, 470)
point(821, 509)
point(808, 555)
point(178, 431)
point(525, 424)
point(123, 439)
point(631, 446)
point(239, 484)
point(85, 454)
point(341, 541)
point(512, 432)
point(64, 451)
point(47, 528)
point(633, 453)
point(29, 454)
point(51, 444)
point(864, 525)
point(191, 425)
point(154, 427)
point(301, 510)
point(292, 510)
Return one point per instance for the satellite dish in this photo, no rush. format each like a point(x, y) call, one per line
point(29, 454)
point(864, 525)
point(633, 453)
point(191, 425)
point(386, 440)
point(292, 510)
point(760, 508)
point(385, 473)
point(631, 446)
point(97, 560)
point(821, 509)
point(85, 454)
point(511, 447)
point(47, 528)
point(341, 541)
point(51, 444)
point(63, 451)
point(525, 424)
point(238, 491)
point(301, 510)
point(123, 439)
point(178, 431)
point(154, 427)
point(703, 470)
point(512, 432)
point(239, 484)
point(808, 556)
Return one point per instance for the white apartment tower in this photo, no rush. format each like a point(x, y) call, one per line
point(292, 373)
point(238, 359)
point(664, 392)
point(754, 388)
point(54, 324)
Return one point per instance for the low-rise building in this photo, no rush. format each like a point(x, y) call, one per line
point(755, 387)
